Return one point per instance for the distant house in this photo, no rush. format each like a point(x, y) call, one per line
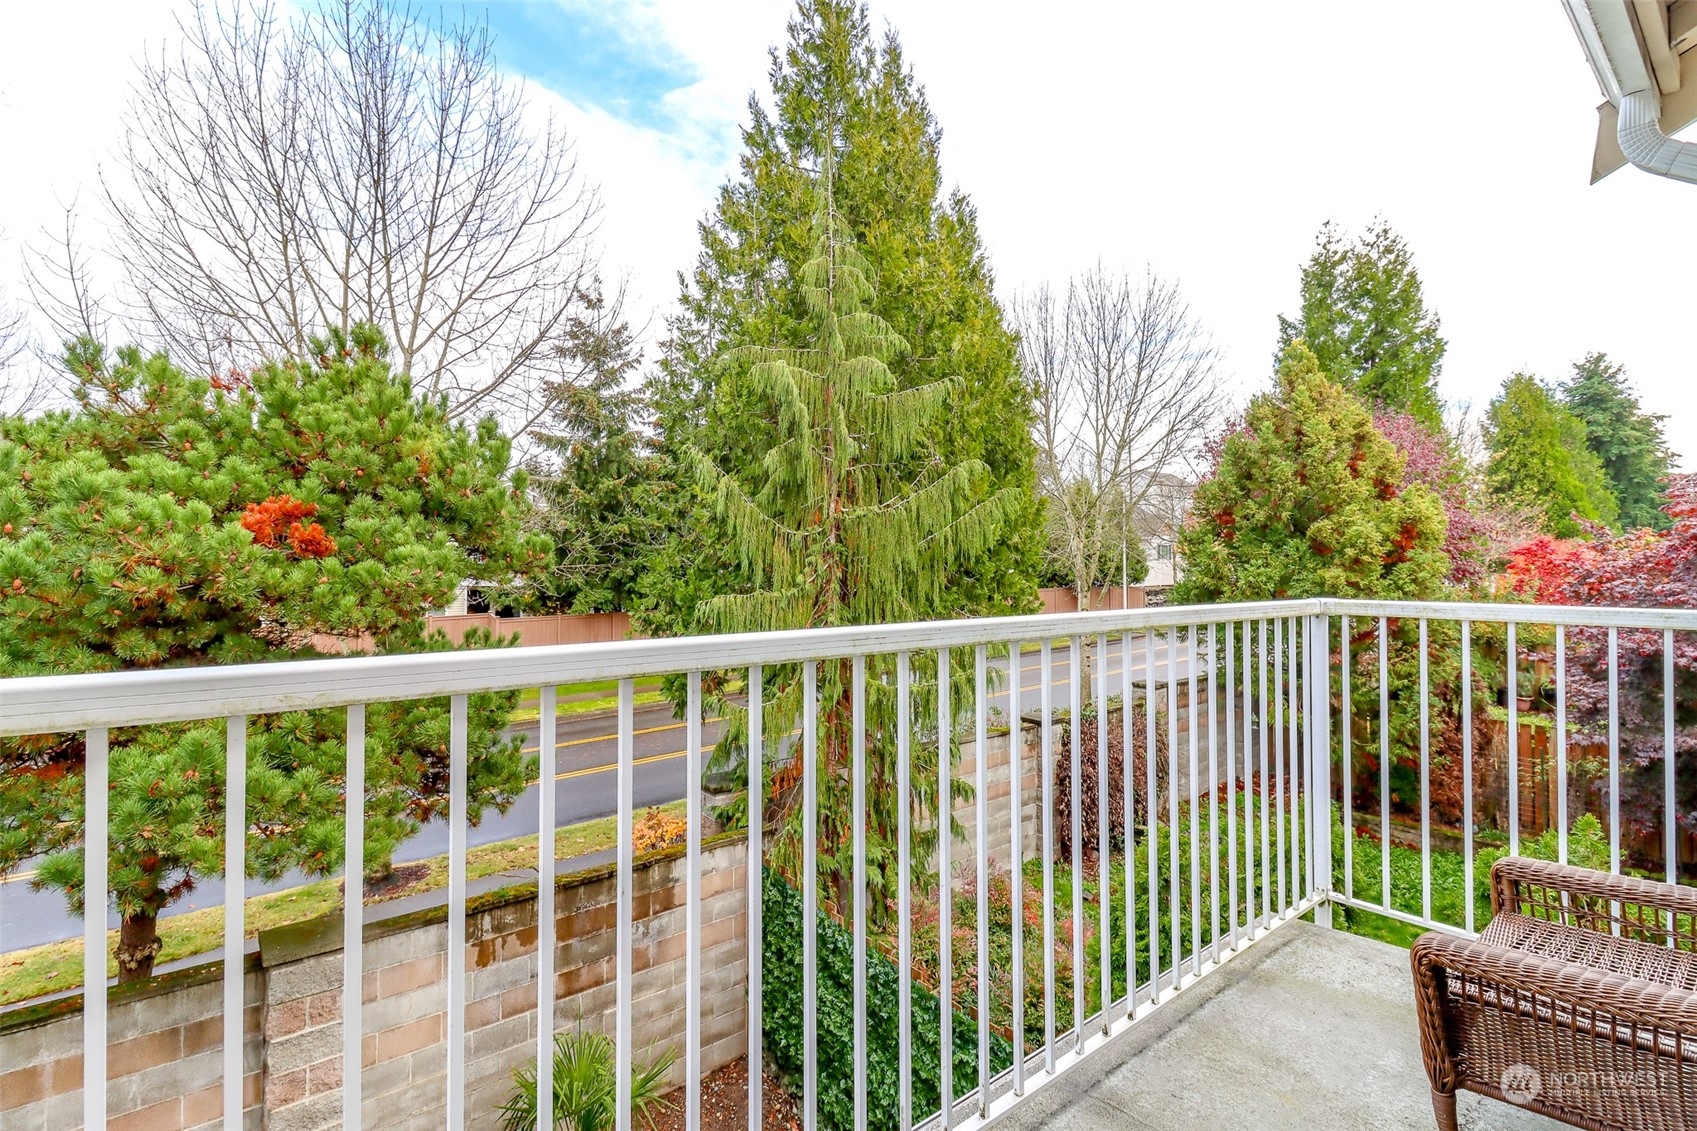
point(1158, 520)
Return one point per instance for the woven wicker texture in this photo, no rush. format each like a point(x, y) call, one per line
point(1579, 1000)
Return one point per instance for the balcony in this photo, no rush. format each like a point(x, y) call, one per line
point(1245, 788)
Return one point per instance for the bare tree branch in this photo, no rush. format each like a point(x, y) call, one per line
point(284, 175)
point(1127, 394)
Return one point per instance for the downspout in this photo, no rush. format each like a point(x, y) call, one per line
point(1610, 38)
point(1644, 143)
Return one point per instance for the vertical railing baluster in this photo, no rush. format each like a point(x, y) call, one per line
point(810, 896)
point(692, 901)
point(353, 921)
point(756, 894)
point(1561, 743)
point(1248, 760)
point(1425, 785)
point(1318, 677)
point(1173, 879)
point(1128, 767)
point(1279, 692)
point(458, 827)
point(1214, 790)
point(1104, 894)
point(625, 928)
point(1670, 823)
point(904, 890)
point(1614, 751)
point(1016, 869)
point(1151, 807)
point(1513, 706)
point(235, 898)
point(1193, 796)
point(1265, 734)
point(945, 893)
point(1047, 738)
point(1467, 773)
point(1231, 779)
point(857, 774)
point(1347, 759)
point(1384, 766)
point(1075, 723)
point(1293, 756)
point(97, 773)
point(981, 829)
point(548, 739)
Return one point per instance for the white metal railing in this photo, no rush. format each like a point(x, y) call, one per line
point(1250, 688)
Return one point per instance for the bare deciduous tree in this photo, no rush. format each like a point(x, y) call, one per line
point(1126, 392)
point(357, 162)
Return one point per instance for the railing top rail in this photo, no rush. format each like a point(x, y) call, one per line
point(1599, 616)
point(44, 704)
point(49, 704)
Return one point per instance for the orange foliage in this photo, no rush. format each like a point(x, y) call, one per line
point(279, 519)
point(658, 829)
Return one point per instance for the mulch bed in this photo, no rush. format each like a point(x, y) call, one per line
point(724, 1103)
point(398, 882)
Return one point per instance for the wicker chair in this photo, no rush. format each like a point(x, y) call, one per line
point(1578, 1001)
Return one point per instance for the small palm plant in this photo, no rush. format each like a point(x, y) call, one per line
point(586, 1086)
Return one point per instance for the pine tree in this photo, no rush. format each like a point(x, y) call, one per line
point(172, 520)
point(597, 485)
point(1626, 440)
point(929, 281)
point(1364, 318)
point(1541, 459)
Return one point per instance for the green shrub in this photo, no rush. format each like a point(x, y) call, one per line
point(782, 1013)
point(1587, 847)
point(586, 1092)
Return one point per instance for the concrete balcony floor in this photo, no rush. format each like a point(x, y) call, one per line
point(1310, 1030)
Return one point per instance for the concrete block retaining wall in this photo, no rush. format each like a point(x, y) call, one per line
point(165, 1045)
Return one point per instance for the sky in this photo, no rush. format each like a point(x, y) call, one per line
point(1208, 142)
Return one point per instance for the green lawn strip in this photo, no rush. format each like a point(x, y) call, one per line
point(55, 967)
point(565, 708)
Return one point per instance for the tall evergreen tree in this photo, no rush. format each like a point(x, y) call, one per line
point(1541, 459)
point(929, 280)
point(597, 483)
point(1364, 318)
point(1626, 440)
point(835, 527)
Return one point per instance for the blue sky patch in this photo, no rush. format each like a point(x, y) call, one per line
point(594, 53)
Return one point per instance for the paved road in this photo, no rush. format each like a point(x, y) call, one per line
point(585, 787)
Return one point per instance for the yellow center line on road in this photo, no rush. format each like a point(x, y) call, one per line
point(615, 734)
point(643, 761)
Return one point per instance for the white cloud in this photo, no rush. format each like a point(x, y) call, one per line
point(1210, 141)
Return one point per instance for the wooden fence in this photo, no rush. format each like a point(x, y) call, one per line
point(557, 628)
point(1063, 600)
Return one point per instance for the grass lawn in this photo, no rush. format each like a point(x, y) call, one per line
point(583, 698)
point(58, 966)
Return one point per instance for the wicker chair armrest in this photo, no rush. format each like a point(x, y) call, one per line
point(1511, 874)
point(1625, 998)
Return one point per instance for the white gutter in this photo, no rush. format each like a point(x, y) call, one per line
point(1606, 31)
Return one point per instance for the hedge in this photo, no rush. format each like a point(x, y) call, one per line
point(782, 1013)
